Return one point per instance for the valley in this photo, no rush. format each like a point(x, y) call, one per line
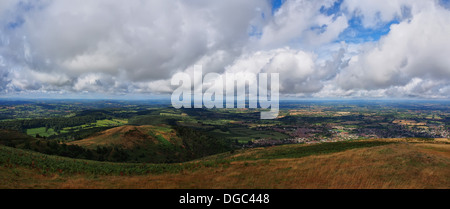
point(148, 144)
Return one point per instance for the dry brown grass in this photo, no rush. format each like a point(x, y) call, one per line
point(392, 166)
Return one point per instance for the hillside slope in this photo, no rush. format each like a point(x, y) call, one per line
point(130, 136)
point(13, 138)
point(153, 144)
point(365, 165)
point(156, 144)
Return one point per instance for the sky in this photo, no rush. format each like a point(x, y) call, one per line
point(132, 48)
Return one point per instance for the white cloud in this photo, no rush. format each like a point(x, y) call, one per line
point(413, 49)
point(297, 69)
point(300, 23)
point(149, 40)
point(376, 12)
point(133, 46)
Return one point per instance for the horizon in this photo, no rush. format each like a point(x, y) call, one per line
point(168, 100)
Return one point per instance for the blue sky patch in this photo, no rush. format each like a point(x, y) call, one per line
point(255, 31)
point(16, 23)
point(357, 33)
point(335, 9)
point(445, 3)
point(276, 4)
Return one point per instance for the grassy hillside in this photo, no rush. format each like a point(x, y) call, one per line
point(13, 138)
point(360, 164)
point(156, 143)
point(130, 137)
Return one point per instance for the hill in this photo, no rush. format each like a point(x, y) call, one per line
point(130, 137)
point(13, 138)
point(383, 163)
point(156, 143)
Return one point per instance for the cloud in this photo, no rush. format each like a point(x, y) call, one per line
point(123, 47)
point(377, 12)
point(299, 71)
point(415, 48)
point(301, 23)
point(149, 40)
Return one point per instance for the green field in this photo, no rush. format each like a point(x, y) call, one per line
point(100, 123)
point(41, 131)
point(103, 123)
point(244, 134)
